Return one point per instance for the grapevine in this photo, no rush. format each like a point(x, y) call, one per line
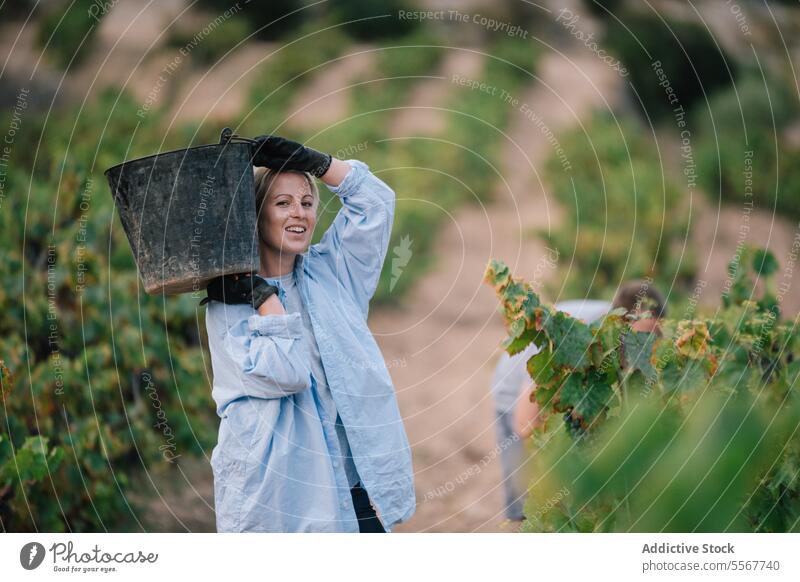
point(717, 395)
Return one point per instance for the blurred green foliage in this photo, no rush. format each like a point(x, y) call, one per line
point(372, 21)
point(66, 30)
point(743, 143)
point(694, 466)
point(602, 8)
point(271, 20)
point(98, 378)
point(358, 19)
point(283, 72)
point(693, 428)
point(625, 217)
point(694, 64)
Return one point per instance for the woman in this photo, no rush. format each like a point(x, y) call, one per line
point(310, 430)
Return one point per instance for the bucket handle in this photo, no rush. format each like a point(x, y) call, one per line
point(227, 136)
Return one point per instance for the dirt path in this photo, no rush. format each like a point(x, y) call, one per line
point(447, 334)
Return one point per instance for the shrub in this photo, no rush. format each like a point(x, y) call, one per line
point(623, 215)
point(603, 7)
point(271, 20)
point(693, 63)
point(368, 20)
point(67, 30)
point(97, 379)
point(751, 117)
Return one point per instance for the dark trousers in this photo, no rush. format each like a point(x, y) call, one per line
point(368, 521)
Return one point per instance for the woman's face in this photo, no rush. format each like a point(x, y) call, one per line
point(289, 214)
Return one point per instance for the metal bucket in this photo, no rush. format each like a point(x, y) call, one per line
point(189, 215)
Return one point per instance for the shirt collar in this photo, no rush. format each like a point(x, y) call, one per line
point(298, 261)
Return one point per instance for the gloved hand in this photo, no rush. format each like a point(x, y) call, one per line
point(279, 153)
point(239, 289)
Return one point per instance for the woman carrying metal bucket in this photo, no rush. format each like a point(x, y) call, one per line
point(310, 438)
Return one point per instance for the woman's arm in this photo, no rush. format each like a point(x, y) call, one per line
point(272, 306)
point(526, 414)
point(336, 173)
point(257, 355)
point(356, 243)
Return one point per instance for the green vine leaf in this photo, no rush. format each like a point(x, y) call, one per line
point(571, 340)
point(497, 274)
point(693, 339)
point(587, 397)
point(638, 352)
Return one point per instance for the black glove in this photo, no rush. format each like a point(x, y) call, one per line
point(279, 153)
point(239, 289)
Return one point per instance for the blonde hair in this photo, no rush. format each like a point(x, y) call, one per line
point(264, 177)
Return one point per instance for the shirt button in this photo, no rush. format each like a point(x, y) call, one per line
point(336, 464)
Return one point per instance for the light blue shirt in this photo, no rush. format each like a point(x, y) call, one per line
point(511, 372)
point(277, 463)
point(294, 304)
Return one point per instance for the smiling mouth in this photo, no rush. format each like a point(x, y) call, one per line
point(296, 229)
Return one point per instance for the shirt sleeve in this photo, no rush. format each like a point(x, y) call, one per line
point(271, 354)
point(355, 245)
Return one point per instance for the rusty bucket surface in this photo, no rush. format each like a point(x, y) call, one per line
point(189, 214)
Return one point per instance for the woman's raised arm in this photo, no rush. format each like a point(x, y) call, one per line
point(336, 173)
point(355, 245)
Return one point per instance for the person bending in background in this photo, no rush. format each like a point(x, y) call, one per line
point(516, 416)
